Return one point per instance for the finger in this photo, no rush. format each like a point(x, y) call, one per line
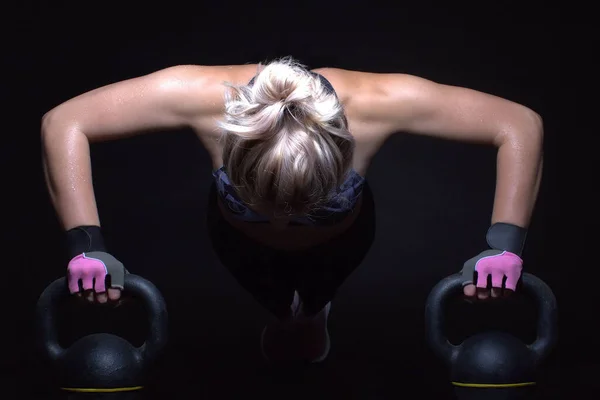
point(80, 292)
point(482, 280)
point(87, 281)
point(470, 290)
point(483, 293)
point(511, 281)
point(114, 294)
point(89, 295)
point(496, 290)
point(101, 297)
point(73, 284)
point(497, 280)
point(100, 284)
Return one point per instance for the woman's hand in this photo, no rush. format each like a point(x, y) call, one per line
point(96, 276)
point(492, 273)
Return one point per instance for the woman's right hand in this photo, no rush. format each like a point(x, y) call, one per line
point(96, 276)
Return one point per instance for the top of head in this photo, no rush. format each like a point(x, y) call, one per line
point(287, 146)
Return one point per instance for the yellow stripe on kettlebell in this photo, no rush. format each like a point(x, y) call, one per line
point(103, 390)
point(493, 385)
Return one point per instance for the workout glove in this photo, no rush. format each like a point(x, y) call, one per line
point(506, 243)
point(90, 264)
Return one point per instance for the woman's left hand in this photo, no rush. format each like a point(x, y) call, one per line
point(492, 273)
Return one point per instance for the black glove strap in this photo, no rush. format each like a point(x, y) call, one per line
point(84, 239)
point(507, 237)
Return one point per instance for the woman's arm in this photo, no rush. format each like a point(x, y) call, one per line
point(404, 103)
point(170, 98)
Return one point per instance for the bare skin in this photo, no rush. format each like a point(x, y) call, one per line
point(376, 105)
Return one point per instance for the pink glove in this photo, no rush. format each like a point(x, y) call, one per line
point(495, 263)
point(502, 261)
point(92, 269)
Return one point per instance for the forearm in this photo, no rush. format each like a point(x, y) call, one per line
point(68, 173)
point(519, 172)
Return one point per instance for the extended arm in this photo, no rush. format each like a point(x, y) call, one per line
point(162, 100)
point(410, 104)
point(404, 103)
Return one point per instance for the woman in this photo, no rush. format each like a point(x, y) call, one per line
point(290, 149)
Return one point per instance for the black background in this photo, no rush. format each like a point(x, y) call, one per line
point(433, 198)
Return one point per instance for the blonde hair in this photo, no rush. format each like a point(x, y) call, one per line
point(287, 147)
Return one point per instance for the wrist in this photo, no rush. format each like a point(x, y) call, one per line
point(506, 237)
point(84, 239)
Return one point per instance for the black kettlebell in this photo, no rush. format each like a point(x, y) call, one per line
point(492, 365)
point(101, 362)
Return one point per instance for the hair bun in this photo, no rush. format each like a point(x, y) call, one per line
point(287, 146)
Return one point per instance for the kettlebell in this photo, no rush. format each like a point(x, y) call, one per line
point(492, 365)
point(101, 362)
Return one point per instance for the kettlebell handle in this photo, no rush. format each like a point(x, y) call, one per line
point(156, 310)
point(547, 322)
point(443, 291)
point(451, 286)
point(46, 317)
point(46, 330)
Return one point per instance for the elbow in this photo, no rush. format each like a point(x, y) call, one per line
point(536, 126)
point(47, 123)
point(51, 119)
point(526, 131)
point(54, 123)
point(529, 126)
point(45, 130)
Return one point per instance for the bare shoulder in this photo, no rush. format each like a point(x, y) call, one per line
point(368, 96)
point(348, 83)
point(184, 95)
point(363, 86)
point(381, 104)
point(216, 74)
point(206, 84)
